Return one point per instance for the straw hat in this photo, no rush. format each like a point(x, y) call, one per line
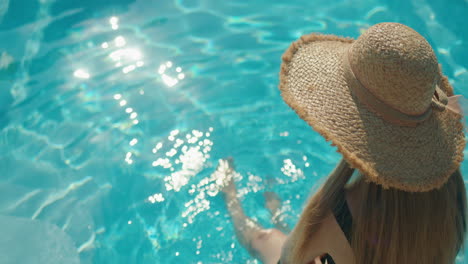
point(382, 100)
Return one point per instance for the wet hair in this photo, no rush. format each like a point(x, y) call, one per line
point(391, 226)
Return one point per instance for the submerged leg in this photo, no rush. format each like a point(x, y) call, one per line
point(273, 204)
point(264, 244)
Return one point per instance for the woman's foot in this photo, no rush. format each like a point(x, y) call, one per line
point(225, 174)
point(273, 204)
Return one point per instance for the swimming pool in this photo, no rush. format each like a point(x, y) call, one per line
point(113, 117)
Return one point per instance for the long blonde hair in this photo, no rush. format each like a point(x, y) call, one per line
point(391, 226)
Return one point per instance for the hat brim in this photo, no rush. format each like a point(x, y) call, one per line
point(413, 159)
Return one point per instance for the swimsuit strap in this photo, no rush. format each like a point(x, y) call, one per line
point(343, 217)
point(345, 221)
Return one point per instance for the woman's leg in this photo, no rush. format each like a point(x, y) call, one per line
point(273, 204)
point(264, 244)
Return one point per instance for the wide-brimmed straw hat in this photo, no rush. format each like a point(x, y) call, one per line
point(382, 100)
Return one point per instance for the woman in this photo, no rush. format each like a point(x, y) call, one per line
point(384, 102)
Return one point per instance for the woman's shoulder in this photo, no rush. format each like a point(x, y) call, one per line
point(330, 239)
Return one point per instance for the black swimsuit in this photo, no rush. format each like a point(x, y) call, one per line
point(345, 220)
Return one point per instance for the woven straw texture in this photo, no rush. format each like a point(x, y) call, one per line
point(381, 64)
point(413, 159)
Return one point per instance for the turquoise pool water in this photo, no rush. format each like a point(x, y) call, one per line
point(113, 115)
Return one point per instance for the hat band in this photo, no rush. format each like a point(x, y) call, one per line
point(378, 106)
